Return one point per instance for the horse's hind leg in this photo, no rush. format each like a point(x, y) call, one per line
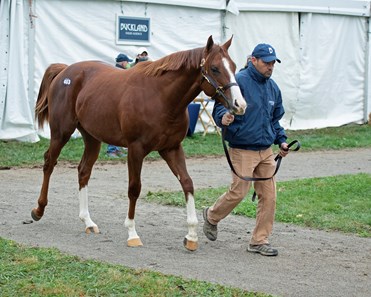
point(176, 161)
point(91, 153)
point(50, 160)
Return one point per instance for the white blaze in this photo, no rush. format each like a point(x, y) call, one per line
point(235, 90)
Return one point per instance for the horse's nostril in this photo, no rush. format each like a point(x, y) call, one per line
point(236, 103)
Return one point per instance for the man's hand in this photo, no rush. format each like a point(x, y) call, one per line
point(227, 119)
point(284, 149)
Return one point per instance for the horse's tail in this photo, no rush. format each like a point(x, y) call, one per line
point(41, 109)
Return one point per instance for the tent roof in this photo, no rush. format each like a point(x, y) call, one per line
point(210, 4)
point(344, 7)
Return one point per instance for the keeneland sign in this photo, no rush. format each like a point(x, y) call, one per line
point(132, 30)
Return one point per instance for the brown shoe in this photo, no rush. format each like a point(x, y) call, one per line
point(210, 230)
point(263, 249)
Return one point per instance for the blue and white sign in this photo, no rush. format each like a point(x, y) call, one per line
point(132, 30)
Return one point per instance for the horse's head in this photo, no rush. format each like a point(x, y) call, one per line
point(219, 82)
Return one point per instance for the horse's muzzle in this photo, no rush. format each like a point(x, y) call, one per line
point(239, 109)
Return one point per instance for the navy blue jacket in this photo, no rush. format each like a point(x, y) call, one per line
point(259, 127)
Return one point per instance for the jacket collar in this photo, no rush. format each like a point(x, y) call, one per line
point(255, 74)
point(119, 66)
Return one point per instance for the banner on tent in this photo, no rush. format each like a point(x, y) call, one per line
point(132, 30)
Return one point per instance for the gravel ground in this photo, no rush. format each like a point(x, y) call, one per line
point(310, 262)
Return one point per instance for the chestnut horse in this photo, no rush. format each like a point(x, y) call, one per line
point(143, 108)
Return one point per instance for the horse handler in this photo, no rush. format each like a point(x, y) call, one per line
point(250, 138)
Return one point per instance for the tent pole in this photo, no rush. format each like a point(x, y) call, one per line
point(224, 27)
point(31, 55)
point(367, 103)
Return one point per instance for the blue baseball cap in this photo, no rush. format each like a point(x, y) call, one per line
point(265, 52)
point(122, 58)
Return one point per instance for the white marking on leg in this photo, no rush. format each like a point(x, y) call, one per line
point(235, 90)
point(192, 220)
point(130, 224)
point(84, 209)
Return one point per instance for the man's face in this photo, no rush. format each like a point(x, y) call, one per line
point(124, 64)
point(264, 68)
point(142, 57)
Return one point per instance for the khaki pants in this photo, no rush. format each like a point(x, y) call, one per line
point(256, 164)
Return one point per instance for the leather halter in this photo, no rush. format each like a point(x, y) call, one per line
point(219, 90)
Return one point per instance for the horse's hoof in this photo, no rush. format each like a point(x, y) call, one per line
point(93, 229)
point(34, 216)
point(190, 245)
point(134, 242)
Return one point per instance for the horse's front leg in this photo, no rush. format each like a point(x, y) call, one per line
point(133, 238)
point(84, 214)
point(176, 160)
point(191, 239)
point(135, 162)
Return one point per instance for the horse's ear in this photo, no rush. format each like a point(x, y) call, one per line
point(210, 43)
point(228, 43)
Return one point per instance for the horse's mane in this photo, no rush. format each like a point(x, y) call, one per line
point(188, 59)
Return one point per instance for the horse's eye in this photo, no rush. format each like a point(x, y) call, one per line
point(214, 69)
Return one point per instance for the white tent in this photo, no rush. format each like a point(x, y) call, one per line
point(324, 48)
point(323, 45)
